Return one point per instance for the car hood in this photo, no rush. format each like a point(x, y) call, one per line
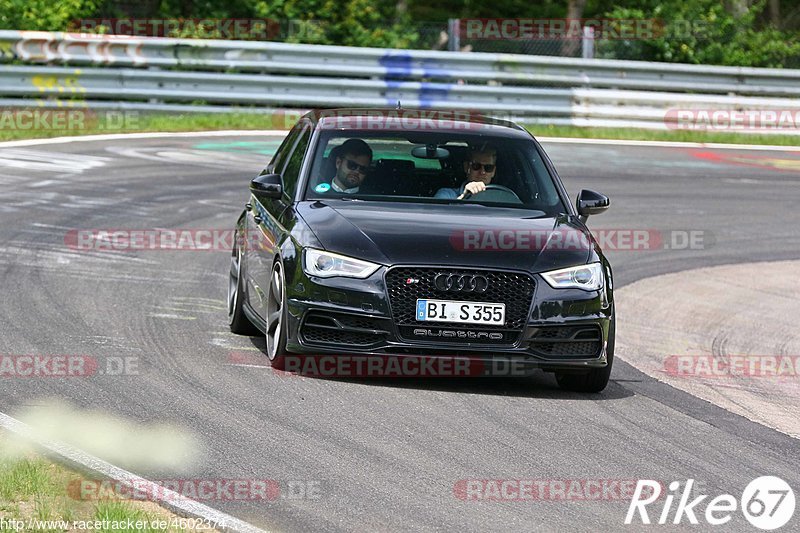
point(446, 234)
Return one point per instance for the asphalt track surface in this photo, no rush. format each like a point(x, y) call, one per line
point(387, 454)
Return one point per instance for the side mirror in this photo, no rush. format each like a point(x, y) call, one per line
point(267, 186)
point(591, 203)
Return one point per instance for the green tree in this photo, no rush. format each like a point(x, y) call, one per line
point(43, 14)
point(706, 32)
point(351, 23)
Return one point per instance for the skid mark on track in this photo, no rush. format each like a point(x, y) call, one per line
point(187, 308)
point(251, 358)
point(200, 305)
point(45, 183)
point(230, 341)
point(172, 316)
point(168, 308)
point(107, 342)
point(47, 253)
point(198, 299)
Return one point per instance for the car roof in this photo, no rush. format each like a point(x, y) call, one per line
point(414, 120)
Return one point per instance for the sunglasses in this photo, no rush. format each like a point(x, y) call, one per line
point(352, 165)
point(477, 166)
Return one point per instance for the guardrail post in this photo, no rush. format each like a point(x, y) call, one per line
point(587, 51)
point(454, 35)
point(154, 100)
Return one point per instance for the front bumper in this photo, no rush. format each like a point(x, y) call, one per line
point(561, 329)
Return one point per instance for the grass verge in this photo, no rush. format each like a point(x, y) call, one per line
point(662, 135)
point(133, 122)
point(38, 495)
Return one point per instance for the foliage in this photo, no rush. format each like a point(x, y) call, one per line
point(695, 31)
point(43, 14)
point(704, 32)
point(350, 23)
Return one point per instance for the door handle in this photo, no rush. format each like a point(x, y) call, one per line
point(248, 206)
point(257, 219)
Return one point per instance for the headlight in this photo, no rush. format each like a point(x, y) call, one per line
point(587, 277)
point(326, 264)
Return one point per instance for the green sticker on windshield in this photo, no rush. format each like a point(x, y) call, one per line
point(323, 187)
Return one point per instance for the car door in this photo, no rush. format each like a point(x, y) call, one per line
point(266, 221)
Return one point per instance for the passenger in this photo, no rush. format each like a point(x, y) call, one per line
point(479, 167)
point(352, 165)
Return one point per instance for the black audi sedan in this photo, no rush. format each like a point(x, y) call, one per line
point(408, 233)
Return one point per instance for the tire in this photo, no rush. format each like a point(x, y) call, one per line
point(237, 320)
point(597, 378)
point(276, 317)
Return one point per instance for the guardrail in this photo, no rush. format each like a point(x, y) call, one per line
point(157, 73)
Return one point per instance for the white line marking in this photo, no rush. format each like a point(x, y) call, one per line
point(152, 135)
point(282, 133)
point(670, 144)
point(166, 498)
point(53, 162)
point(46, 157)
point(749, 181)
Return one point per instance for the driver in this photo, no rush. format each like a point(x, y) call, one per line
point(479, 167)
point(352, 166)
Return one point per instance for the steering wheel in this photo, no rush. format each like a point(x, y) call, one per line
point(496, 193)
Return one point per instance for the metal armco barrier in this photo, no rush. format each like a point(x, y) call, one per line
point(214, 75)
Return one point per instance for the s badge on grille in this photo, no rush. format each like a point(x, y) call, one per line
point(412, 281)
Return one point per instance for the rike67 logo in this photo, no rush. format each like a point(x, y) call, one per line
point(767, 503)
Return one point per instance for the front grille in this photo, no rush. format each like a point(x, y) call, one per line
point(341, 329)
point(515, 290)
point(566, 341)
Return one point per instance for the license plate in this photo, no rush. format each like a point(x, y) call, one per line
point(461, 312)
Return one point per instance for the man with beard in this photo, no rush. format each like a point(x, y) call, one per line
point(352, 165)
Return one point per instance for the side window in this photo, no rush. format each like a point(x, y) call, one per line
point(279, 159)
point(292, 170)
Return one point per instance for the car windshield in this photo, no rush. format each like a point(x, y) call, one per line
point(432, 168)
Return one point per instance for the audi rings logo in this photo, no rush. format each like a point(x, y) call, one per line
point(461, 283)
